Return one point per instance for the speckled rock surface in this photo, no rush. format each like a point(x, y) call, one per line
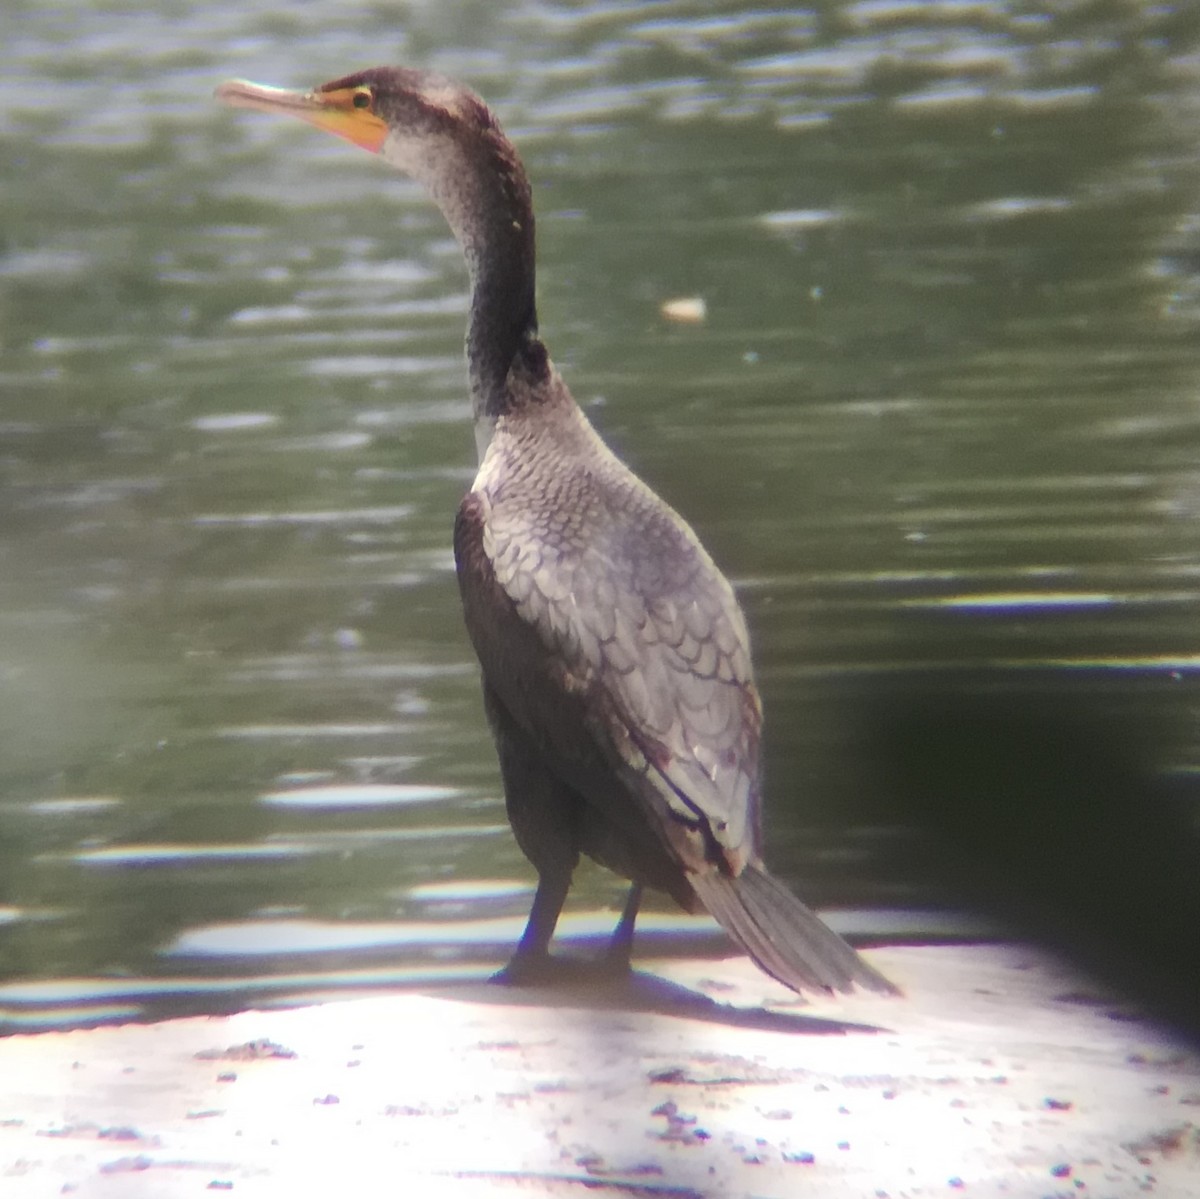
point(999, 1074)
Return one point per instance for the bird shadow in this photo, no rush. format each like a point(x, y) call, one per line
point(647, 994)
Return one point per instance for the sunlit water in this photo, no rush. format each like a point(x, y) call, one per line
point(939, 422)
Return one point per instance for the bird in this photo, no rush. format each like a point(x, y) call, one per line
point(615, 658)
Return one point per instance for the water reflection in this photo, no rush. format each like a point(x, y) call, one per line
point(361, 796)
point(938, 420)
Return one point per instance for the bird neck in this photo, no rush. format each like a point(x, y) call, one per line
point(503, 317)
point(475, 177)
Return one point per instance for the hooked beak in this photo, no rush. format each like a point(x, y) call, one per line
point(334, 111)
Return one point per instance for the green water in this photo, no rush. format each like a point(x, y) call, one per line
point(940, 426)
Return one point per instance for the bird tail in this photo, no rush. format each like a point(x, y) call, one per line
point(784, 937)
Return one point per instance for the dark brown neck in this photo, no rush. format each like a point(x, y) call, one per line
point(444, 135)
point(498, 239)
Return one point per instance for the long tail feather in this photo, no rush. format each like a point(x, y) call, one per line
point(784, 937)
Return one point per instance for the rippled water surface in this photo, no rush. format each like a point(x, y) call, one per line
point(939, 422)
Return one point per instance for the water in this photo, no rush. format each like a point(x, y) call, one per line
point(939, 424)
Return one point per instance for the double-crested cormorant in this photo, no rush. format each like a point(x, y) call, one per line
point(616, 663)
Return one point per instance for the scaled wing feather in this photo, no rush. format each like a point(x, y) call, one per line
point(641, 620)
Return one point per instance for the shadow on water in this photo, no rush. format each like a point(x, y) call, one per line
point(652, 995)
point(1042, 801)
point(458, 963)
point(93, 1003)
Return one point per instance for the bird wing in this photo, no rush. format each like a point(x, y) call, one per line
point(641, 626)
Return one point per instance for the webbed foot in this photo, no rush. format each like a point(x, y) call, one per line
point(547, 970)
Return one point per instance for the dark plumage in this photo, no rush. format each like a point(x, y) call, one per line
point(616, 663)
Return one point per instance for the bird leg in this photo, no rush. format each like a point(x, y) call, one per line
point(620, 948)
point(532, 963)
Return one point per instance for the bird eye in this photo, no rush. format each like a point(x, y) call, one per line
point(362, 98)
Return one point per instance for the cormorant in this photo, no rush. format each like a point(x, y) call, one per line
point(616, 663)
